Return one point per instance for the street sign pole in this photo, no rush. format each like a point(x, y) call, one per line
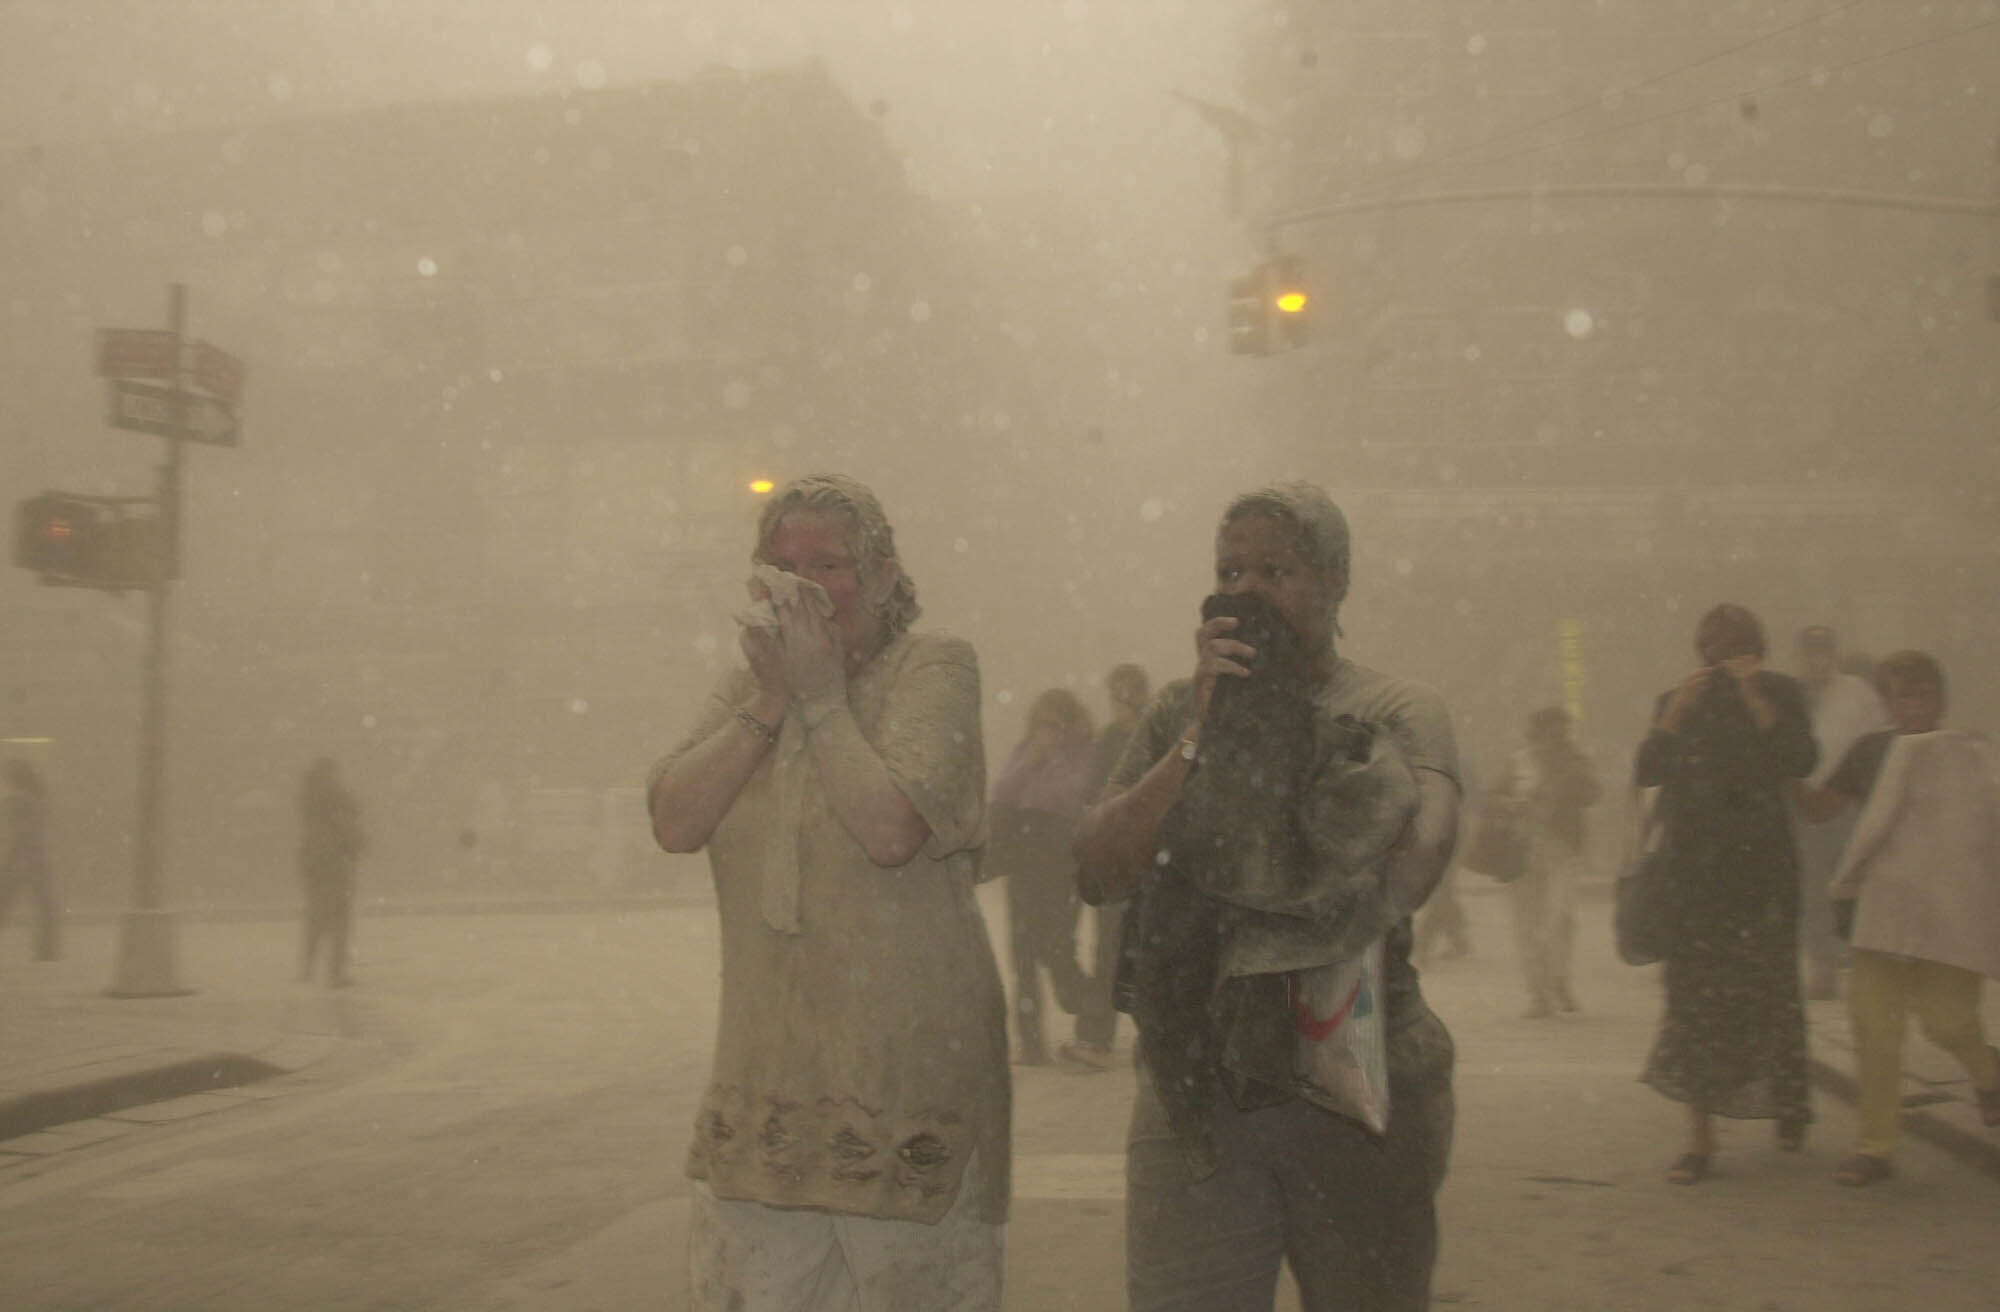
point(148, 963)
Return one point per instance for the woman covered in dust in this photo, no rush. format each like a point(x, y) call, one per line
point(1242, 1159)
point(1041, 791)
point(852, 1147)
point(1724, 746)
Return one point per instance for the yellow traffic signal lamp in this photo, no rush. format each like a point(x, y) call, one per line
point(1270, 309)
point(1292, 301)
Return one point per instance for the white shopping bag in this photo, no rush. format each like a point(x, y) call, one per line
point(1343, 1052)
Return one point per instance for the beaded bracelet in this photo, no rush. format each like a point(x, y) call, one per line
point(757, 726)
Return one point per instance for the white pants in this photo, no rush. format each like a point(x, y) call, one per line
point(749, 1257)
point(1545, 917)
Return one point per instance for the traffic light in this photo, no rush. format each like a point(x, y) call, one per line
point(89, 542)
point(1291, 301)
point(1249, 317)
point(56, 535)
point(1270, 310)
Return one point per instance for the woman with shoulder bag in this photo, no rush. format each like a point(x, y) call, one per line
point(1722, 746)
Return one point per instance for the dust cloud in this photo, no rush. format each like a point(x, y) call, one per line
point(1615, 314)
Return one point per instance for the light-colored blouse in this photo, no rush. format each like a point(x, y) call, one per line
point(861, 1050)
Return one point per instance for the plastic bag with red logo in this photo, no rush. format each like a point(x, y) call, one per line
point(1343, 1051)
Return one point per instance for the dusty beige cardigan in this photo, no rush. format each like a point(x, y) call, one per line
point(1925, 856)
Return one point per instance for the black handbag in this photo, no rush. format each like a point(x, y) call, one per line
point(1645, 915)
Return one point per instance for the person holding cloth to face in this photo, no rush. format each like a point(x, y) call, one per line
point(1266, 1167)
point(1724, 747)
point(851, 1150)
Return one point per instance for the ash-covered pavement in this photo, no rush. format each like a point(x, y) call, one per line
point(1556, 1195)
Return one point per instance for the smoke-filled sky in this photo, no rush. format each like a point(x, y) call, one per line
point(987, 100)
point(1044, 92)
point(981, 99)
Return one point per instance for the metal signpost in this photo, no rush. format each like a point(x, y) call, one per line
point(164, 406)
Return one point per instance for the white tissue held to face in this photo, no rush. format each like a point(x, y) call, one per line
point(771, 587)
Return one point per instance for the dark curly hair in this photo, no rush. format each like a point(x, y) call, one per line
point(1728, 630)
point(1066, 707)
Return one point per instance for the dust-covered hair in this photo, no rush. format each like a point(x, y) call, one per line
point(869, 540)
point(1322, 531)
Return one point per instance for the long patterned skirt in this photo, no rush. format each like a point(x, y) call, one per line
point(1733, 1039)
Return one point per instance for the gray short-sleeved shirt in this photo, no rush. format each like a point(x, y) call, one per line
point(1412, 713)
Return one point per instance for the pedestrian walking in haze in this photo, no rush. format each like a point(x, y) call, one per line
point(1844, 707)
point(1724, 746)
point(1032, 818)
point(851, 1149)
point(1239, 1160)
point(330, 846)
point(1097, 1016)
point(1550, 784)
point(24, 856)
point(1918, 893)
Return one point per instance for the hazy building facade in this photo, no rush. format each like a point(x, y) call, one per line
point(513, 365)
point(1625, 308)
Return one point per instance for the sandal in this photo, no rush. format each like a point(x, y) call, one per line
point(1688, 1168)
point(1791, 1135)
point(1861, 1169)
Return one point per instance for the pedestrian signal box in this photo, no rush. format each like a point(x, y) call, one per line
point(54, 534)
point(73, 540)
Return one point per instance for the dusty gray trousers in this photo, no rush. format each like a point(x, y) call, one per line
point(1351, 1213)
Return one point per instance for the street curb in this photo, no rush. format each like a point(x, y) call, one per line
point(31, 1112)
point(1981, 1152)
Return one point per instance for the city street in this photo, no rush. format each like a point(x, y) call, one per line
point(501, 1127)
